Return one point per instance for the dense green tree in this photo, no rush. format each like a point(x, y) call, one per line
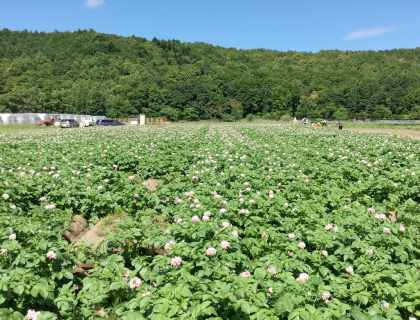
point(94, 73)
point(237, 111)
point(381, 111)
point(170, 113)
point(341, 113)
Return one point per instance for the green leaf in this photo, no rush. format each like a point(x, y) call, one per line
point(132, 315)
point(310, 308)
point(324, 271)
point(304, 315)
point(19, 289)
point(284, 304)
point(43, 292)
point(364, 298)
point(115, 285)
point(210, 310)
point(245, 307)
point(144, 301)
point(185, 292)
point(161, 308)
point(159, 280)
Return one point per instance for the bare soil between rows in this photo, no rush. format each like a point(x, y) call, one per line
point(395, 132)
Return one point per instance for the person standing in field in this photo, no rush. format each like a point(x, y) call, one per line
point(340, 126)
point(304, 121)
point(295, 121)
point(324, 123)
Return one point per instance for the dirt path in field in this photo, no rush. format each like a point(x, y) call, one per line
point(395, 132)
point(94, 236)
point(152, 184)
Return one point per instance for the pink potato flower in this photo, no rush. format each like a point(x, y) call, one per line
point(32, 314)
point(176, 261)
point(369, 252)
point(51, 255)
point(225, 225)
point(245, 274)
point(211, 252)
point(146, 293)
point(350, 270)
point(225, 244)
point(135, 283)
point(326, 296)
point(302, 277)
point(386, 231)
point(272, 271)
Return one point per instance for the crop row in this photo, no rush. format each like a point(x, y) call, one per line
point(250, 222)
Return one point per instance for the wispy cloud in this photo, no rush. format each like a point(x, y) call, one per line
point(369, 33)
point(93, 3)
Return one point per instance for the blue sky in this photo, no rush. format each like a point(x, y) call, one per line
point(299, 25)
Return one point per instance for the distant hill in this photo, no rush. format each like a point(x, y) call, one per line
point(94, 73)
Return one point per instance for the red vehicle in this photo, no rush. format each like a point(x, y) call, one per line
point(49, 122)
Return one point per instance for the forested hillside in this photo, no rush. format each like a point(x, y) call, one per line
point(93, 73)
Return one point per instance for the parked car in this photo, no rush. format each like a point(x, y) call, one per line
point(87, 122)
point(68, 123)
point(134, 122)
point(108, 122)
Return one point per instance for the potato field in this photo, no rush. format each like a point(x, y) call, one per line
point(247, 222)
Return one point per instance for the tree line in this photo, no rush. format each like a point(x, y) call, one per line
point(94, 73)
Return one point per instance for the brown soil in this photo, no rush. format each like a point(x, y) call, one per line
point(80, 272)
point(393, 216)
point(92, 235)
point(78, 232)
point(78, 228)
point(394, 132)
point(152, 184)
point(101, 312)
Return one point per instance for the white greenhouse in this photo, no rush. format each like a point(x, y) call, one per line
point(35, 118)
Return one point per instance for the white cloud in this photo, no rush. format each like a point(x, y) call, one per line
point(369, 33)
point(93, 3)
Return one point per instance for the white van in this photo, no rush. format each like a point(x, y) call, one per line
point(87, 121)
